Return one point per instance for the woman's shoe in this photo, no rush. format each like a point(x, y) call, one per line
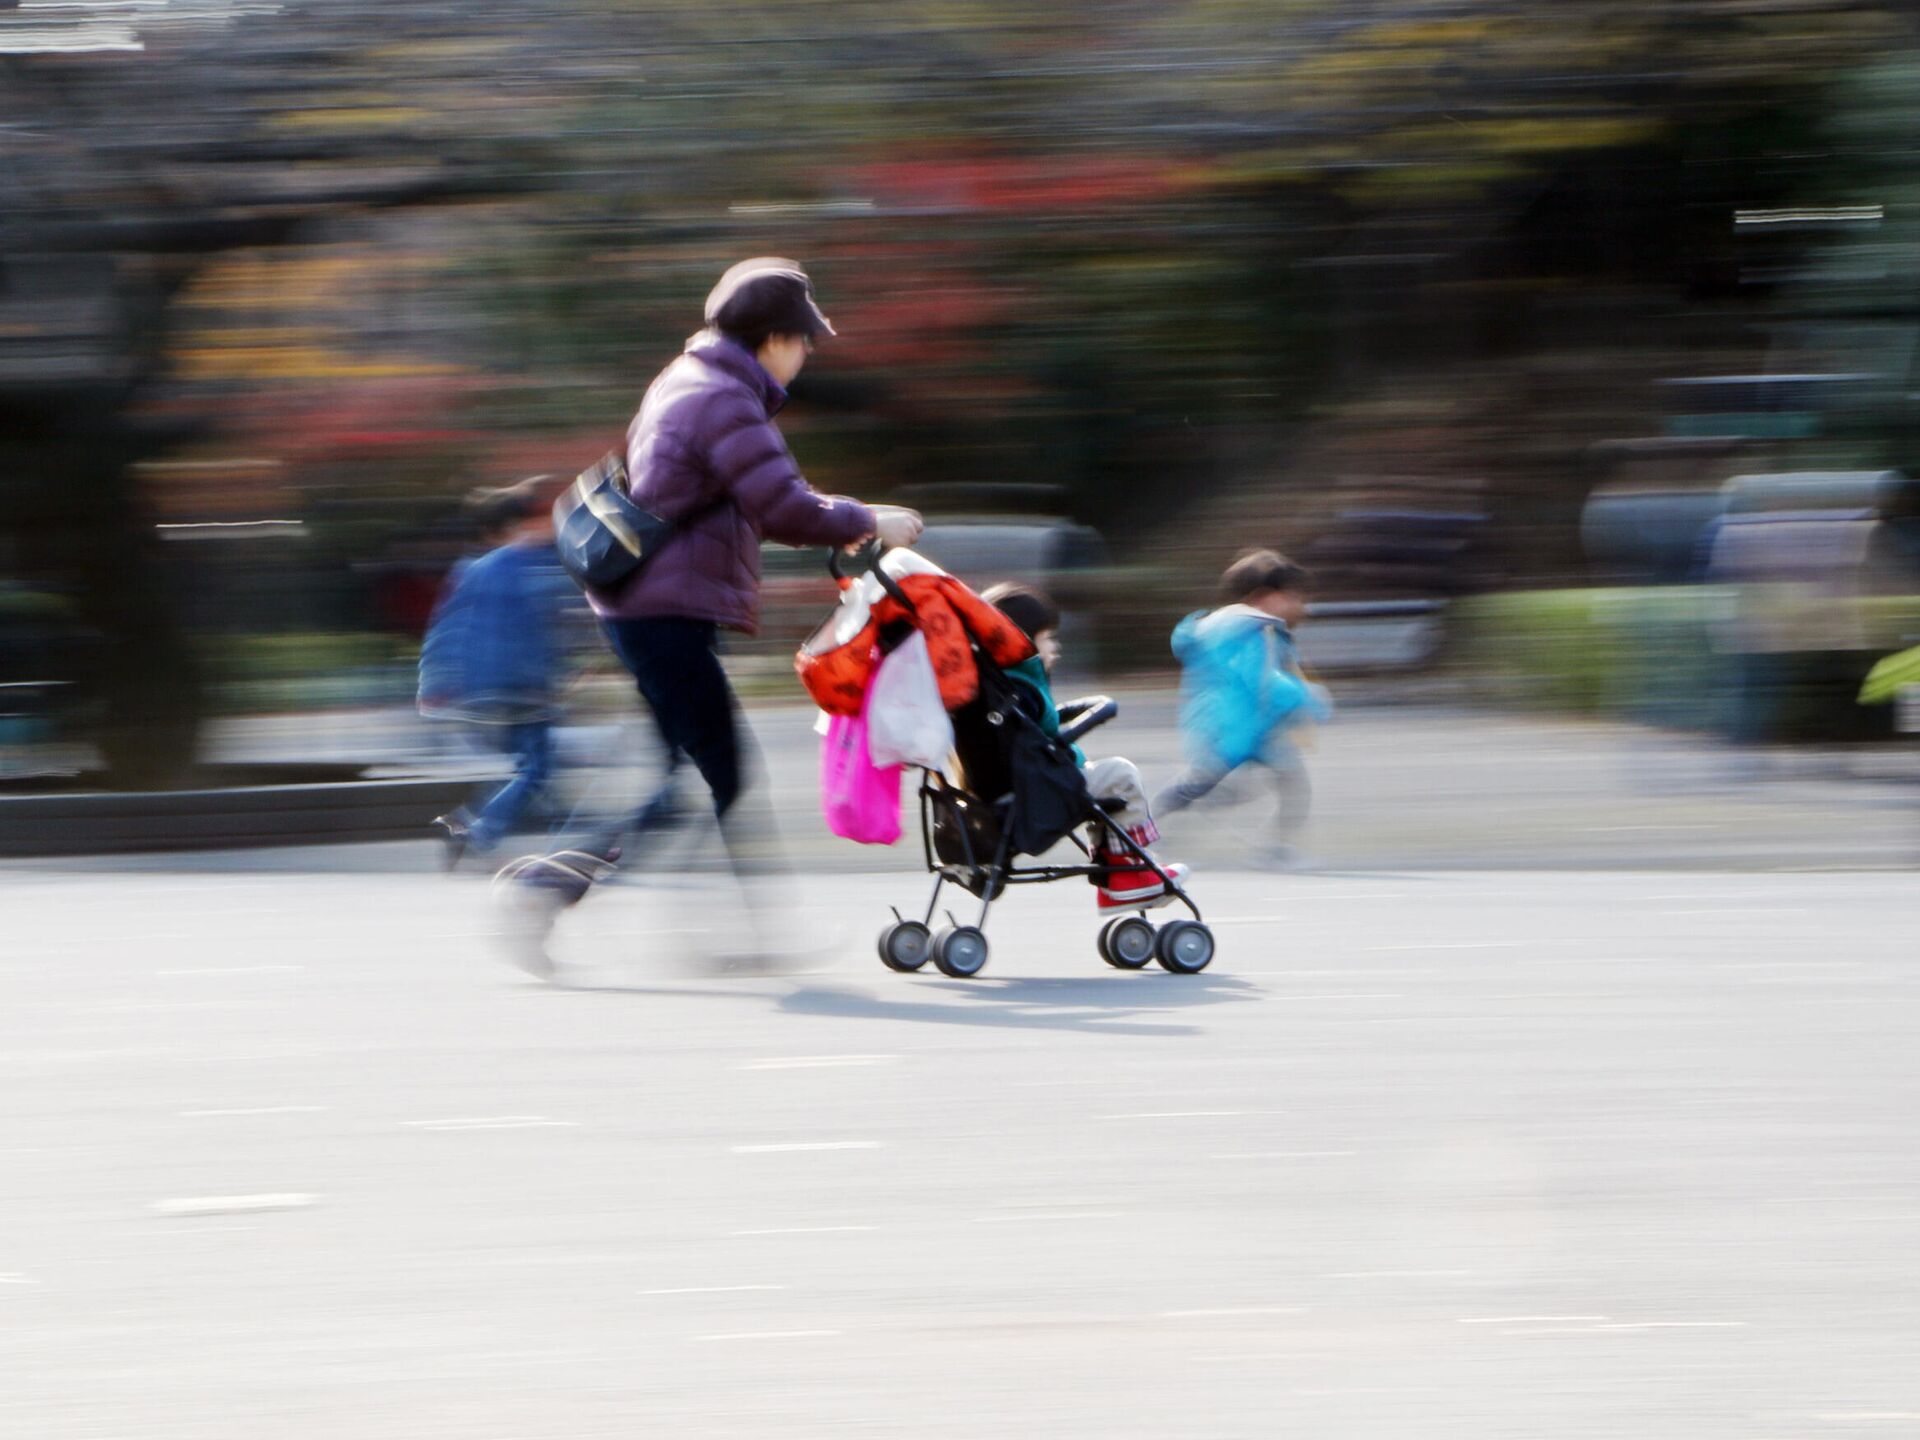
point(529, 894)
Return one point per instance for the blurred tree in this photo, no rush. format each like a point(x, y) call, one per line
point(102, 227)
point(1847, 279)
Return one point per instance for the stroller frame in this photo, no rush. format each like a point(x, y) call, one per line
point(1127, 942)
point(1000, 871)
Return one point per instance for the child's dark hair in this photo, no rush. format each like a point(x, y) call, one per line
point(1258, 570)
point(491, 510)
point(1027, 606)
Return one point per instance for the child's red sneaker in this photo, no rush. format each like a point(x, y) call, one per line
point(1132, 886)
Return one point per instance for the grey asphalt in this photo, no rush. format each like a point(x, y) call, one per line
point(1398, 786)
point(1424, 1154)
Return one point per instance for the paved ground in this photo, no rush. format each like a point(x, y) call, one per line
point(1398, 787)
point(1426, 1154)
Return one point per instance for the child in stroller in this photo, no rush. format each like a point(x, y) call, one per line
point(1114, 782)
point(1019, 789)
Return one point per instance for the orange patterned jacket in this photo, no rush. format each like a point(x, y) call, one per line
point(944, 610)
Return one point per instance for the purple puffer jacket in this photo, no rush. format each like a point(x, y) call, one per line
point(705, 434)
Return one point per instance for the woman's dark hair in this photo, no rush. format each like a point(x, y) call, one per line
point(1027, 606)
point(1257, 570)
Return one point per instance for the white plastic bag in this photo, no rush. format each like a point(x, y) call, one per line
point(906, 723)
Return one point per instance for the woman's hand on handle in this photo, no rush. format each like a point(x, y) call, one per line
point(897, 527)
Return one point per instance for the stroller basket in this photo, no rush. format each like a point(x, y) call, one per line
point(962, 836)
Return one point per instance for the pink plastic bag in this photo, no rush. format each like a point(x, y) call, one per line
point(861, 801)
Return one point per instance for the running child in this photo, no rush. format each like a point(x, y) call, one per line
point(492, 653)
point(1242, 692)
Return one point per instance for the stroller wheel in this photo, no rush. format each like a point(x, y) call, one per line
point(905, 946)
point(1184, 946)
point(1127, 943)
point(960, 951)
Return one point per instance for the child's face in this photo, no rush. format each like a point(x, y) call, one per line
point(1289, 606)
point(1047, 642)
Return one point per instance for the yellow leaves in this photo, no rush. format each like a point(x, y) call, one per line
point(326, 290)
point(252, 281)
point(1364, 63)
point(222, 361)
point(354, 117)
point(454, 49)
point(1380, 58)
point(1436, 160)
point(1430, 32)
point(258, 335)
point(1521, 137)
point(1532, 135)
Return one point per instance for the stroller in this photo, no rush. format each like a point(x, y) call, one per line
point(1016, 792)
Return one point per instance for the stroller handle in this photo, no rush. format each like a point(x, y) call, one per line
point(872, 551)
point(1077, 717)
point(871, 548)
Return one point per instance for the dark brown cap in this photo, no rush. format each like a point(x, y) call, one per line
point(766, 296)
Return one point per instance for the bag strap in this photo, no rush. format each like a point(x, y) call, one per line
point(613, 463)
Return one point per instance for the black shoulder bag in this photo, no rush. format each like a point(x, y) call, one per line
point(602, 535)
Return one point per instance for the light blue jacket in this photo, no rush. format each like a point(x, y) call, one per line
point(1240, 684)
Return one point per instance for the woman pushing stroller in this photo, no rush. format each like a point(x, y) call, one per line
point(703, 453)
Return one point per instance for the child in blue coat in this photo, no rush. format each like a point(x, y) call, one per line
point(1242, 690)
point(492, 654)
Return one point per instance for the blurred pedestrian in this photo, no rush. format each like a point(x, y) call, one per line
point(703, 452)
point(492, 655)
point(1243, 693)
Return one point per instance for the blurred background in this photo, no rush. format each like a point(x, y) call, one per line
point(1572, 347)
